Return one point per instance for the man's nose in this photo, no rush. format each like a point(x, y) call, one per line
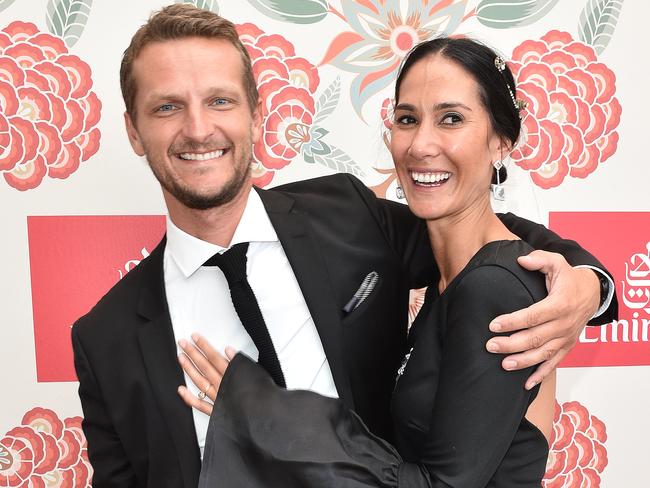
point(198, 125)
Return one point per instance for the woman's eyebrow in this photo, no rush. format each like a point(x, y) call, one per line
point(438, 106)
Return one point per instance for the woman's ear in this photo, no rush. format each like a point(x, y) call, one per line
point(502, 149)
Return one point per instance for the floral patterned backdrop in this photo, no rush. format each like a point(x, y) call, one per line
point(325, 70)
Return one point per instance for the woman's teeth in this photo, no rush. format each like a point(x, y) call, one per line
point(201, 156)
point(430, 178)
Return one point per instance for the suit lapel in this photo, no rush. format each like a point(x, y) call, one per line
point(158, 347)
point(300, 246)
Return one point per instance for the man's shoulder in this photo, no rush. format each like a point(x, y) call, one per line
point(121, 301)
point(323, 185)
point(337, 190)
point(342, 196)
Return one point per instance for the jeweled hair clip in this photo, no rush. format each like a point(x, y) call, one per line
point(520, 105)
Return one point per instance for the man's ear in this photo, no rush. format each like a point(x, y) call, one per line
point(134, 137)
point(256, 123)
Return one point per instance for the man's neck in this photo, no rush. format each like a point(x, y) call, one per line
point(215, 225)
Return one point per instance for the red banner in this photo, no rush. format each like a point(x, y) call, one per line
point(621, 240)
point(74, 261)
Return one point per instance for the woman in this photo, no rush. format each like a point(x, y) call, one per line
point(460, 419)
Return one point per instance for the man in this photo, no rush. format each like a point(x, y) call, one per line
point(192, 109)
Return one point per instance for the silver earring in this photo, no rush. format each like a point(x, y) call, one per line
point(400, 192)
point(498, 191)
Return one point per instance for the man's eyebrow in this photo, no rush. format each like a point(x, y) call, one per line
point(223, 90)
point(154, 97)
point(210, 92)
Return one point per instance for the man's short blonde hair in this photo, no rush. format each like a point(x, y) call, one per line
point(180, 21)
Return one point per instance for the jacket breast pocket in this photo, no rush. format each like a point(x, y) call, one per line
point(365, 305)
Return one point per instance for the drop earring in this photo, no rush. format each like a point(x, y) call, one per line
point(498, 191)
point(399, 192)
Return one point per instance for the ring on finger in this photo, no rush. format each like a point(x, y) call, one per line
point(203, 393)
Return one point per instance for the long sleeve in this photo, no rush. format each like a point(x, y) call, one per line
point(111, 467)
point(542, 238)
point(408, 236)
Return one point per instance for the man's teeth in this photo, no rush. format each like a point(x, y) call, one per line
point(202, 156)
point(429, 177)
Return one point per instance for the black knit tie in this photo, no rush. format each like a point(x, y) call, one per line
point(233, 264)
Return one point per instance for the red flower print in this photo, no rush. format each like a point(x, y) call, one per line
point(568, 128)
point(45, 452)
point(386, 113)
point(48, 113)
point(286, 84)
point(578, 455)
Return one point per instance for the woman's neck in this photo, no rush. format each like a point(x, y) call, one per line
point(455, 239)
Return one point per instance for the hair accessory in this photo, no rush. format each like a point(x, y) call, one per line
point(500, 63)
point(520, 105)
point(399, 191)
point(498, 191)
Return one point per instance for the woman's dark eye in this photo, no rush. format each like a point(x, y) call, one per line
point(452, 119)
point(405, 120)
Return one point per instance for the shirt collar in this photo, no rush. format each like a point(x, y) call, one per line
point(190, 252)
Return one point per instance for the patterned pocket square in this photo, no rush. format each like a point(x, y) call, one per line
point(362, 293)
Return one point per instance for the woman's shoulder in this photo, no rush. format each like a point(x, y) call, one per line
point(495, 270)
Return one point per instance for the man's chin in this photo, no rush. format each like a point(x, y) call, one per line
point(196, 198)
point(201, 201)
point(207, 199)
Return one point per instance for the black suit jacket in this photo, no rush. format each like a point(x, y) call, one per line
point(334, 232)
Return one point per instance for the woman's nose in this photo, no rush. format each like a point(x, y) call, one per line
point(424, 143)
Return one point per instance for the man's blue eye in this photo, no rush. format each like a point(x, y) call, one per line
point(166, 107)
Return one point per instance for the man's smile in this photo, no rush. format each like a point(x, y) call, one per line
point(188, 156)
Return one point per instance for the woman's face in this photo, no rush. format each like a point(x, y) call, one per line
point(442, 142)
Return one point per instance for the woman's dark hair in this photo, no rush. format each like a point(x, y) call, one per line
point(478, 60)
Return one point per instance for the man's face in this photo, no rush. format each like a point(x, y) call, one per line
point(192, 120)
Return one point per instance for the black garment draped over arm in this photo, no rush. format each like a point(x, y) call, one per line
point(459, 417)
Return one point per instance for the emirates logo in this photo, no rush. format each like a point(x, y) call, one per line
point(636, 285)
point(635, 294)
point(132, 263)
point(625, 341)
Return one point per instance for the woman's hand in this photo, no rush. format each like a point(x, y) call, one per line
point(205, 367)
point(549, 328)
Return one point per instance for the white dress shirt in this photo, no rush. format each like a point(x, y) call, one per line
point(199, 301)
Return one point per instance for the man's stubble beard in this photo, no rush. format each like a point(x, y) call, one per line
point(198, 201)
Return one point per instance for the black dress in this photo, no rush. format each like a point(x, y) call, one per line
point(458, 416)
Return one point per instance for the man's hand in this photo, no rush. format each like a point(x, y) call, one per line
point(550, 328)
